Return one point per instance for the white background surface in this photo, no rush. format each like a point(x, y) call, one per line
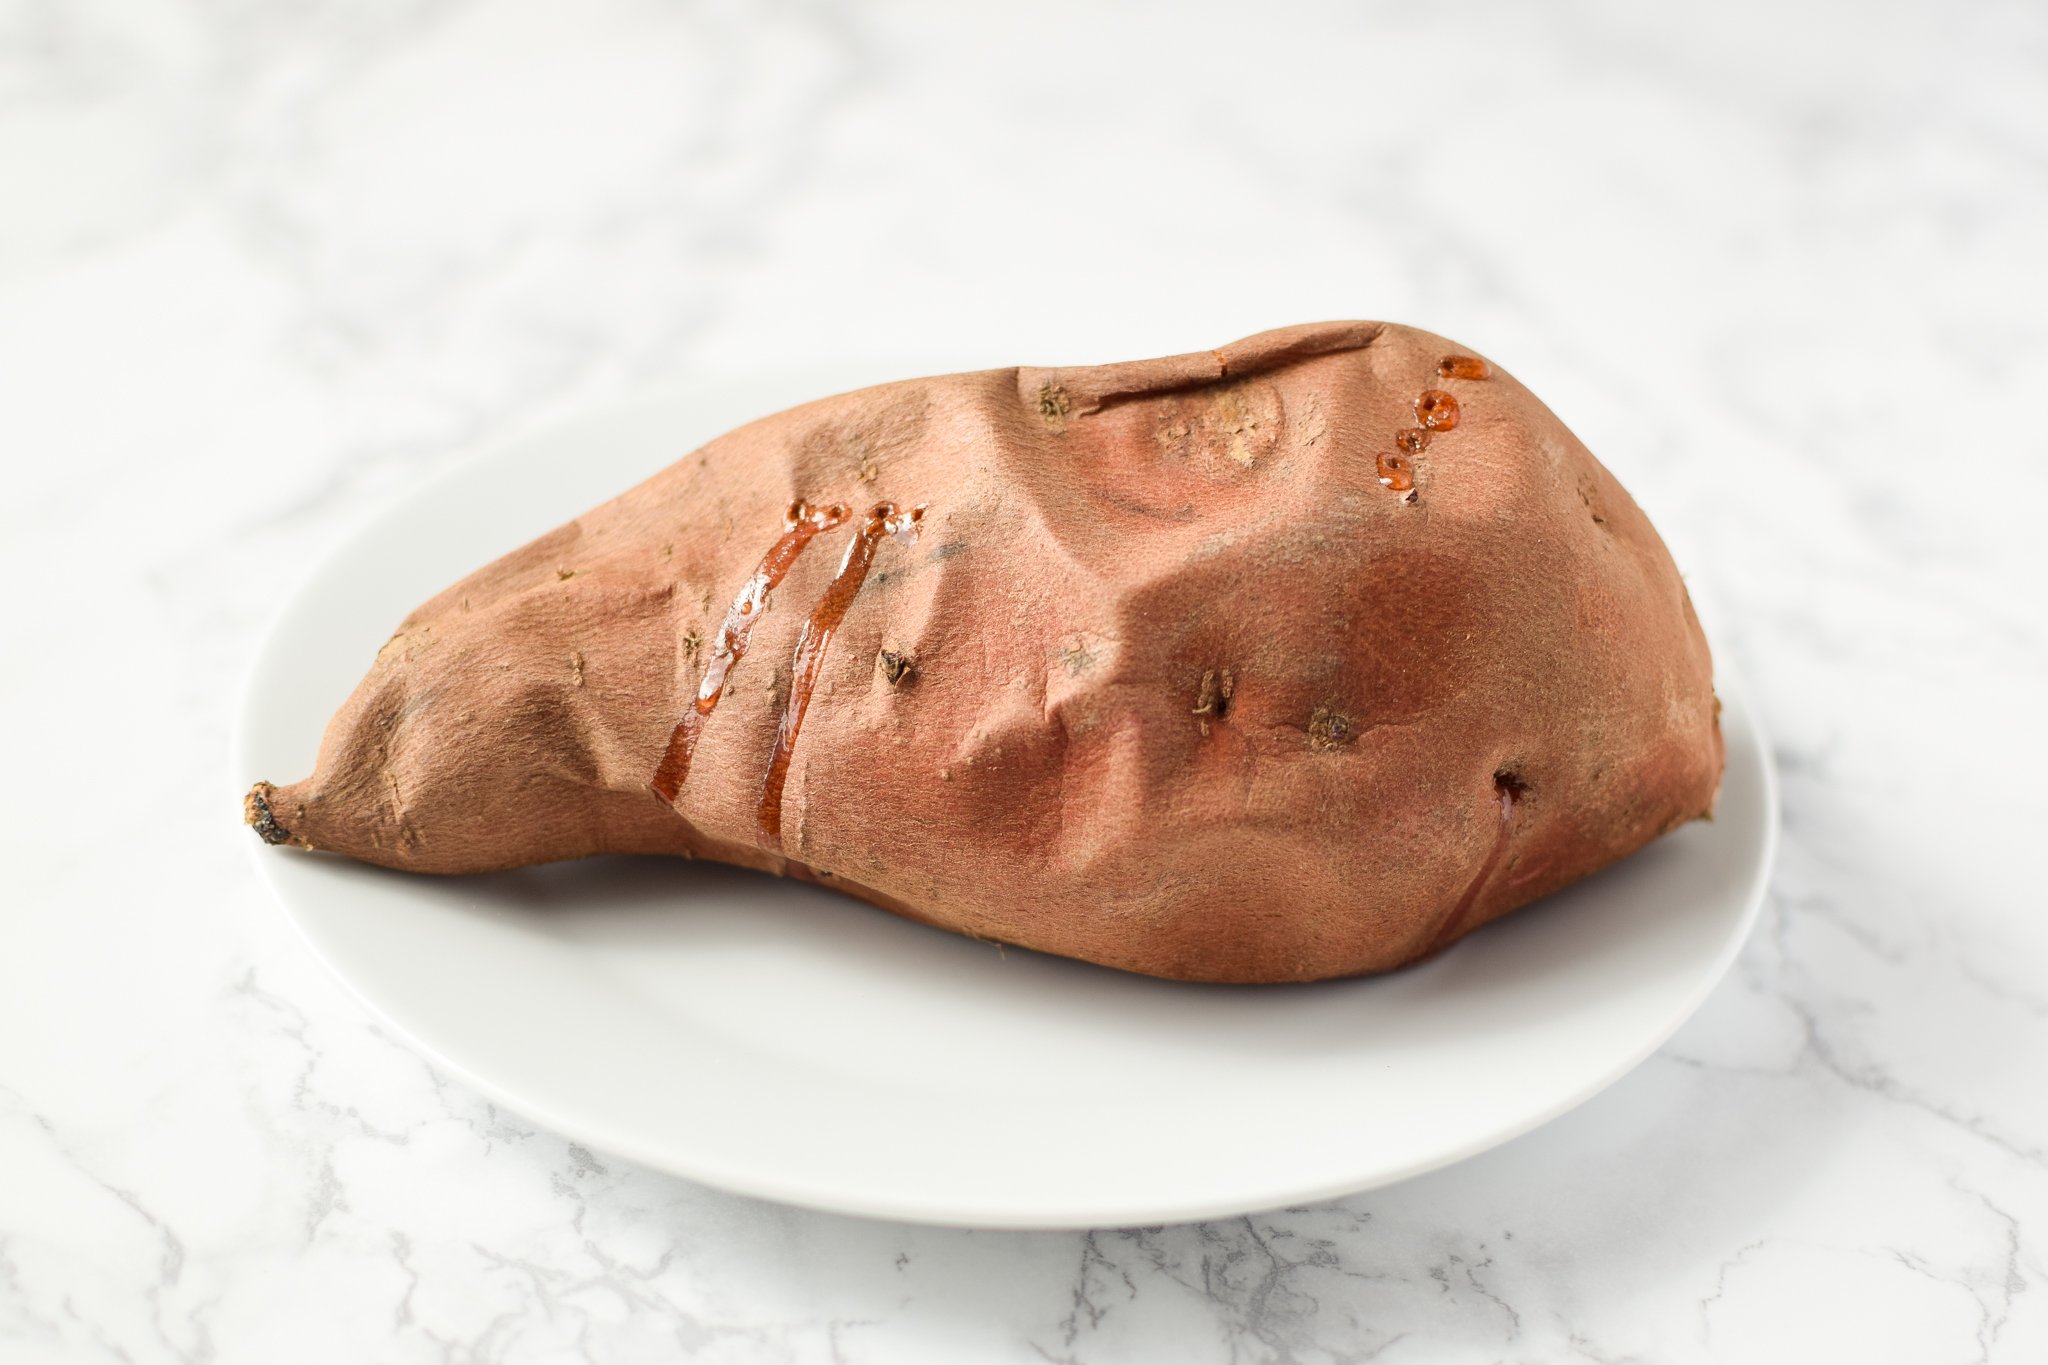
point(264, 266)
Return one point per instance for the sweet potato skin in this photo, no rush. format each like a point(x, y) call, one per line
point(1171, 681)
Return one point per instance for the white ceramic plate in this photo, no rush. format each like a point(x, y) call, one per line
point(777, 1039)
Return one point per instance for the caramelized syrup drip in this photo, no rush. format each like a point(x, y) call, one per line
point(1436, 410)
point(1507, 789)
point(801, 522)
point(882, 519)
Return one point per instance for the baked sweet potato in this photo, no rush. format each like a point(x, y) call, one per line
point(1295, 659)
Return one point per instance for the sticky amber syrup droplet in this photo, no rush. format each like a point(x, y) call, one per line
point(1464, 367)
point(1436, 410)
point(1413, 441)
point(1396, 472)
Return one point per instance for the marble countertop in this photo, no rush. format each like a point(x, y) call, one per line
point(262, 268)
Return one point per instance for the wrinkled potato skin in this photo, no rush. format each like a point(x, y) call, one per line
point(1097, 541)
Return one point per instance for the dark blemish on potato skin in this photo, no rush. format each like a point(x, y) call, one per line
point(946, 551)
point(1053, 407)
point(257, 814)
point(895, 667)
point(1589, 494)
point(1213, 699)
point(1329, 729)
